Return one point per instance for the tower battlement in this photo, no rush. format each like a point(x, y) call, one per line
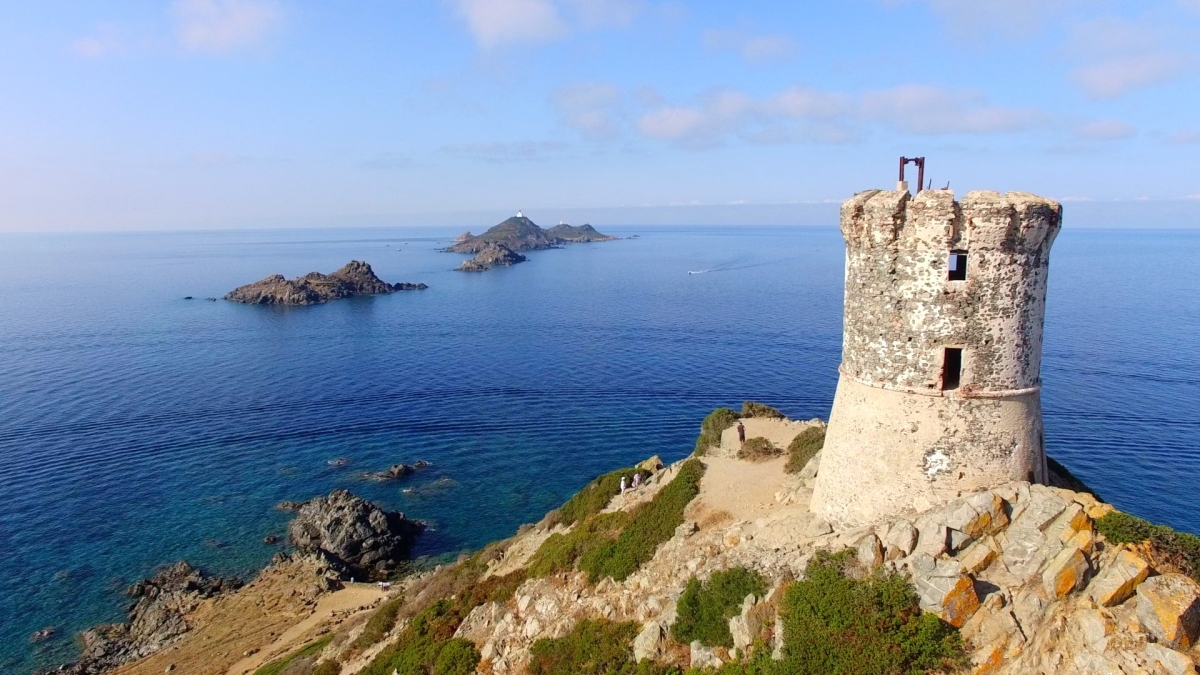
point(941, 353)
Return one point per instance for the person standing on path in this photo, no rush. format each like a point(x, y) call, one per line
point(741, 433)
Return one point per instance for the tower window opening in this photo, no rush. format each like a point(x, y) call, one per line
point(951, 368)
point(958, 266)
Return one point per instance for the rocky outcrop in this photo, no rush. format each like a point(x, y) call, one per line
point(354, 533)
point(356, 278)
point(464, 237)
point(490, 256)
point(577, 234)
point(517, 233)
point(159, 616)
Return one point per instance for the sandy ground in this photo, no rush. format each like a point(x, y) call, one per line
point(339, 604)
point(743, 490)
point(779, 432)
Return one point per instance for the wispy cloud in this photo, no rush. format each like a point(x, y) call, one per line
point(495, 23)
point(590, 107)
point(109, 39)
point(605, 13)
point(223, 26)
point(809, 114)
point(504, 153)
point(1106, 130)
point(1010, 18)
point(1184, 137)
point(753, 48)
point(1118, 55)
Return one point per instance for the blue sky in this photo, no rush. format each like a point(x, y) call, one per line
point(264, 113)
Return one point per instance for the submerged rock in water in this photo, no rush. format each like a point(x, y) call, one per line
point(356, 278)
point(393, 472)
point(47, 633)
point(353, 532)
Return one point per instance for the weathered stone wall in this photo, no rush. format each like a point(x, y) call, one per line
point(896, 440)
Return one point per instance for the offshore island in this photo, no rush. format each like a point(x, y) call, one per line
point(501, 244)
point(923, 529)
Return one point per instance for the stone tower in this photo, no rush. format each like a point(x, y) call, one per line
point(939, 393)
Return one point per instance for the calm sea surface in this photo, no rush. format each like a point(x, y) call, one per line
point(138, 428)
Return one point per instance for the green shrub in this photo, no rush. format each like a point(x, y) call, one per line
point(802, 448)
point(593, 647)
point(758, 448)
point(457, 657)
point(752, 409)
point(650, 525)
point(710, 429)
point(419, 649)
point(309, 650)
point(560, 551)
point(834, 624)
point(595, 496)
point(380, 623)
point(328, 668)
point(1178, 549)
point(705, 608)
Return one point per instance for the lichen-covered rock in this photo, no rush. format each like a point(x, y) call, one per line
point(367, 540)
point(945, 589)
point(1119, 579)
point(1170, 660)
point(704, 657)
point(648, 643)
point(1168, 606)
point(1066, 572)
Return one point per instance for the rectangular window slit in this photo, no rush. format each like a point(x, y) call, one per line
point(951, 368)
point(958, 266)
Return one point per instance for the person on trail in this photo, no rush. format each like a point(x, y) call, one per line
point(741, 433)
point(637, 480)
point(622, 484)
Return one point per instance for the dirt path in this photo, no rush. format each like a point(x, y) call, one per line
point(779, 432)
point(744, 490)
point(351, 599)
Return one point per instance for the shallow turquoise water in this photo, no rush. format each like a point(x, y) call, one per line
point(137, 428)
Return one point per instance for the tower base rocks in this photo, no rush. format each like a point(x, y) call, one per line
point(888, 451)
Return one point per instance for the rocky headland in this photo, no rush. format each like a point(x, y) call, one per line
point(354, 279)
point(1020, 578)
point(577, 234)
point(492, 255)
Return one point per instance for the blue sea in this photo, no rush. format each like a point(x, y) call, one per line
point(138, 428)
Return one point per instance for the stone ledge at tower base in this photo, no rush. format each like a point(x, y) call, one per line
point(888, 452)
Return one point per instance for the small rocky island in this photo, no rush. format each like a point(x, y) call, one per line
point(356, 278)
point(501, 245)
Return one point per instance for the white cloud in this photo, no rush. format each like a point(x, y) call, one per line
point(504, 153)
point(1012, 18)
point(1184, 137)
point(1118, 76)
point(605, 13)
point(109, 39)
point(1107, 130)
point(222, 26)
point(807, 114)
point(590, 107)
point(753, 48)
point(495, 23)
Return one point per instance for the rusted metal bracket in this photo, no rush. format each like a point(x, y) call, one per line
point(920, 162)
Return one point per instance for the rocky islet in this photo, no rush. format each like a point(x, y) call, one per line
point(354, 279)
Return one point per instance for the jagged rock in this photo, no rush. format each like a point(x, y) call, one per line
point(490, 256)
point(817, 527)
point(1168, 607)
point(648, 643)
point(464, 237)
point(901, 539)
point(1066, 572)
point(1119, 579)
point(1094, 626)
point(869, 552)
point(944, 589)
point(704, 657)
point(157, 618)
point(653, 464)
point(810, 469)
point(393, 472)
point(1170, 660)
point(367, 540)
point(44, 634)
point(356, 278)
point(978, 555)
point(747, 625)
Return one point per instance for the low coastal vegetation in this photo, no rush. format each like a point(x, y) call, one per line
point(379, 625)
point(308, 652)
point(594, 646)
point(803, 447)
point(757, 449)
point(650, 525)
point(616, 544)
point(705, 608)
point(1177, 549)
point(716, 422)
point(595, 496)
point(752, 409)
